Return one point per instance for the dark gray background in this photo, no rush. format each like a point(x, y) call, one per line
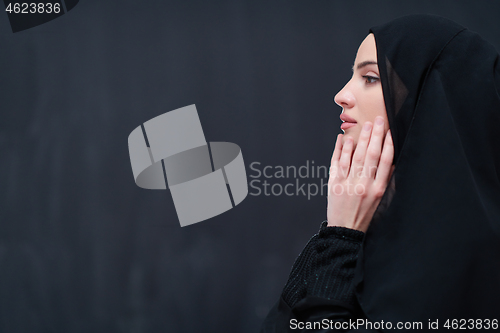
point(82, 248)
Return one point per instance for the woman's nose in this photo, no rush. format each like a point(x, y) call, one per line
point(344, 98)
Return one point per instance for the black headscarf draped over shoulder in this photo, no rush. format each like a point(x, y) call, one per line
point(433, 248)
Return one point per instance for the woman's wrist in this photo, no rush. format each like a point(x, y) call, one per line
point(327, 231)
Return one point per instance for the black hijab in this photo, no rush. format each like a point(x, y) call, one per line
point(432, 250)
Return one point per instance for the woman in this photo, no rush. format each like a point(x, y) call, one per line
point(426, 253)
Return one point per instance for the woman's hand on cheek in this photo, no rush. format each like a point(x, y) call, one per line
point(358, 181)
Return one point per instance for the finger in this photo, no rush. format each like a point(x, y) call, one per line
point(338, 149)
point(358, 158)
point(385, 165)
point(374, 147)
point(345, 157)
point(334, 164)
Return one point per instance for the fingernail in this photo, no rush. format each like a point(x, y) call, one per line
point(379, 121)
point(367, 126)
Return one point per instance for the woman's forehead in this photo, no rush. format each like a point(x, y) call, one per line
point(367, 51)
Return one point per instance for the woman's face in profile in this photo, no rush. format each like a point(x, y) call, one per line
point(361, 98)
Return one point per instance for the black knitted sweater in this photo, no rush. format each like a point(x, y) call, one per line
point(323, 273)
point(325, 267)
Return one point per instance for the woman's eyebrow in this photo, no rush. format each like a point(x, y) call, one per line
point(364, 63)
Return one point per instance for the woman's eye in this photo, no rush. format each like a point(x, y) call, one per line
point(370, 79)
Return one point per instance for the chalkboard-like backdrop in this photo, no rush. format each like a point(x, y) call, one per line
point(82, 248)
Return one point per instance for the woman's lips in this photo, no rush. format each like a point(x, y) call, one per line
point(347, 125)
point(348, 121)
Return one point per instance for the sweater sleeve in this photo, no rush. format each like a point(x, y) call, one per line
point(325, 267)
point(320, 284)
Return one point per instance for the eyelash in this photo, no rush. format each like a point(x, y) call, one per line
point(368, 78)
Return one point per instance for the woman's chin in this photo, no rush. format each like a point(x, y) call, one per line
point(353, 132)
